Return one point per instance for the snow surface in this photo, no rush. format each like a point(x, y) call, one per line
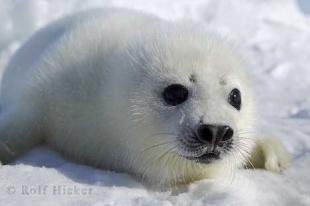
point(272, 35)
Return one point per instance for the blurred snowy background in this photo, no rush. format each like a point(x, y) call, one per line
point(274, 38)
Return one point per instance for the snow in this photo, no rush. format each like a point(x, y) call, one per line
point(273, 36)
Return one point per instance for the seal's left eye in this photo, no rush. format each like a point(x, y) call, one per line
point(175, 94)
point(235, 98)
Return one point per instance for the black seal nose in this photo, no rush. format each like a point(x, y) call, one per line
point(208, 133)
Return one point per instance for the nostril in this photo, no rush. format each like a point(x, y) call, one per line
point(206, 133)
point(214, 134)
point(227, 133)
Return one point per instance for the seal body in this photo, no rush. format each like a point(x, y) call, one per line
point(91, 86)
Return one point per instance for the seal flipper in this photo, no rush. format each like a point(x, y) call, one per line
point(270, 154)
point(18, 133)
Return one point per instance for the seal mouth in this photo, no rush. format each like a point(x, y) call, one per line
point(206, 158)
point(202, 152)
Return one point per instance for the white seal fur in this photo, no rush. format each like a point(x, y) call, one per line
point(90, 86)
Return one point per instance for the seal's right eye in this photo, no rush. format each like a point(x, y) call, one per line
point(175, 94)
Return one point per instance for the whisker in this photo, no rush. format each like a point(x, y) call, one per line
point(167, 152)
point(246, 158)
point(157, 145)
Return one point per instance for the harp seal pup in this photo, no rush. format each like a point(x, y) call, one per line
point(126, 91)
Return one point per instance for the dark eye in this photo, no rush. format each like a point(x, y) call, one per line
point(235, 99)
point(175, 94)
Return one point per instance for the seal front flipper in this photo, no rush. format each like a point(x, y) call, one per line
point(270, 154)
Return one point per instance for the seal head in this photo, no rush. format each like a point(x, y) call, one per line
point(192, 103)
